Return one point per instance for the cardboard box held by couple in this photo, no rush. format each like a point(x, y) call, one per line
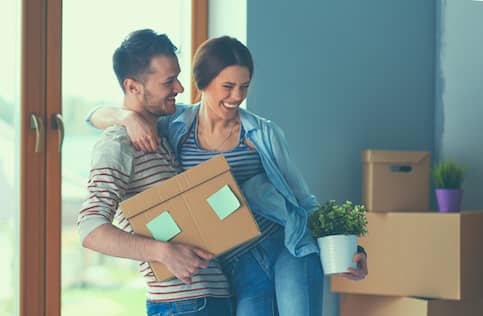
point(202, 206)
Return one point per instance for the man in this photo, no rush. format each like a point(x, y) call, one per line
point(147, 69)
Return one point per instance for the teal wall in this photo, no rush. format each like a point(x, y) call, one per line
point(459, 92)
point(340, 76)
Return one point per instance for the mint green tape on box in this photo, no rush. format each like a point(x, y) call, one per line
point(224, 202)
point(163, 227)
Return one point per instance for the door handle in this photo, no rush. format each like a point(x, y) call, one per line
point(58, 123)
point(37, 123)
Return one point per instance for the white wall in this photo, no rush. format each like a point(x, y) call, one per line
point(459, 92)
point(228, 17)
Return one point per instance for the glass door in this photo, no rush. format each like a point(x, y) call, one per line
point(94, 284)
point(9, 156)
point(36, 203)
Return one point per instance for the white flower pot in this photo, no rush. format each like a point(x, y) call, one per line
point(336, 253)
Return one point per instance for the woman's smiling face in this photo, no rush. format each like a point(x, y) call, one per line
point(226, 91)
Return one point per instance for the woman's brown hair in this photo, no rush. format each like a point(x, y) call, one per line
point(216, 54)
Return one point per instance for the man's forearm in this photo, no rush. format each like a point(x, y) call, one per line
point(107, 116)
point(112, 241)
point(182, 260)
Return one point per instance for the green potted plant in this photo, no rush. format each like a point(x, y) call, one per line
point(448, 177)
point(336, 228)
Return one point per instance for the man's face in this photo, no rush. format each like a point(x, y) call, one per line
point(161, 85)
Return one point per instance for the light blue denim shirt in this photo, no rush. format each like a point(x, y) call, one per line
point(281, 194)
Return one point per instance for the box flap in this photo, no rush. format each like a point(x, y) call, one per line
point(175, 186)
point(392, 156)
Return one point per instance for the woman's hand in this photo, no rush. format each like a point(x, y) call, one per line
point(361, 271)
point(143, 134)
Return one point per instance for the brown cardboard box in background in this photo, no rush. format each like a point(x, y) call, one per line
point(185, 197)
point(425, 254)
point(372, 305)
point(395, 180)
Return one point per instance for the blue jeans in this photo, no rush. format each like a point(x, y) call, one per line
point(204, 306)
point(299, 284)
point(268, 280)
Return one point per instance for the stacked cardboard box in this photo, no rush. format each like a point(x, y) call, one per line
point(430, 255)
point(422, 254)
point(395, 180)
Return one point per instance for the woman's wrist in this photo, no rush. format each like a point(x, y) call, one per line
point(125, 117)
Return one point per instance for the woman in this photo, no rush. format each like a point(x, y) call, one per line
point(280, 270)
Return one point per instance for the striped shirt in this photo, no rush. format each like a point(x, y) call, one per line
point(244, 163)
point(118, 171)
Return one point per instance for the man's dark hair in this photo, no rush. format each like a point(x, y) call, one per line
point(133, 57)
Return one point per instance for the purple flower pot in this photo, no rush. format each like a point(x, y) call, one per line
point(449, 200)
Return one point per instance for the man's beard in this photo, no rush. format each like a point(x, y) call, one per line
point(149, 107)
